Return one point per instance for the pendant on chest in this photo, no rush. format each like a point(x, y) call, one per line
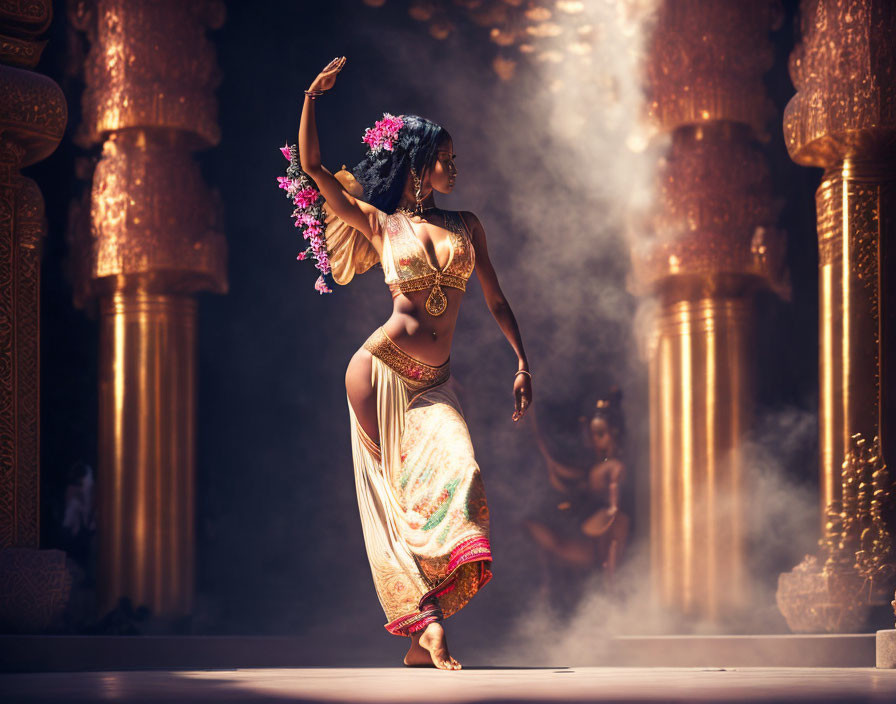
point(437, 302)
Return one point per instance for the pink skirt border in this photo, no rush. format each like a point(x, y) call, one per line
point(471, 550)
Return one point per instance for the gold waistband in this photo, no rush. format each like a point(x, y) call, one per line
point(415, 374)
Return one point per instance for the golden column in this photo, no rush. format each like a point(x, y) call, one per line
point(843, 119)
point(34, 584)
point(154, 240)
point(713, 243)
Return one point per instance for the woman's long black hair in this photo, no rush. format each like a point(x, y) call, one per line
point(384, 173)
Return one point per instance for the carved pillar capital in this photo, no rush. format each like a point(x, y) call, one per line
point(706, 61)
point(715, 215)
point(150, 65)
point(844, 69)
point(36, 132)
point(150, 76)
point(21, 23)
point(153, 218)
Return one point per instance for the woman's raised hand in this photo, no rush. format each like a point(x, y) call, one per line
point(326, 78)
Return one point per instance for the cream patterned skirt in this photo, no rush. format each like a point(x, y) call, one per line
point(421, 498)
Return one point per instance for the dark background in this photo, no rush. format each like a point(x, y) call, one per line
point(279, 542)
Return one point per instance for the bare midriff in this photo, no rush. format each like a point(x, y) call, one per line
point(425, 337)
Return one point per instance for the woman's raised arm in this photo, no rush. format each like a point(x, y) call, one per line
point(358, 214)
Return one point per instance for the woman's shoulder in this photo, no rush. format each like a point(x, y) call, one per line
point(467, 215)
point(470, 221)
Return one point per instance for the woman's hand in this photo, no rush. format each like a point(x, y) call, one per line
point(327, 78)
point(522, 395)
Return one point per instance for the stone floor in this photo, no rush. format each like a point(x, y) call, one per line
point(548, 684)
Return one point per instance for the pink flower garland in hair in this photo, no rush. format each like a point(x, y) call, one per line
point(308, 214)
point(384, 133)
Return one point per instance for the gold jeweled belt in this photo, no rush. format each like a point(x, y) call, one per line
point(415, 374)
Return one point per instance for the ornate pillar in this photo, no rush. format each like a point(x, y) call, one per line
point(843, 119)
point(714, 242)
point(154, 240)
point(33, 584)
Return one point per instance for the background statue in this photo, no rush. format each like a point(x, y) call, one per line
point(582, 526)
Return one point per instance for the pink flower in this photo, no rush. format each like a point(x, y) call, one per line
point(383, 134)
point(305, 218)
point(290, 185)
point(305, 198)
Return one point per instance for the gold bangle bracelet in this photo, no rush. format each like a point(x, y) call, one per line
point(523, 371)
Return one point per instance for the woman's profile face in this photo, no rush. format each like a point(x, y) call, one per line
point(444, 172)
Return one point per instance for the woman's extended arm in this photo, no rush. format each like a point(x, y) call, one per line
point(356, 213)
point(500, 309)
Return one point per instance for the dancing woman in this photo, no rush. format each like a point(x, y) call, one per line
point(420, 494)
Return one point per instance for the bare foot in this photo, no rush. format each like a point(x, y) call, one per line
point(429, 648)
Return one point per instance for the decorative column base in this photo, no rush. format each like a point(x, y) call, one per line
point(853, 575)
point(814, 601)
point(34, 589)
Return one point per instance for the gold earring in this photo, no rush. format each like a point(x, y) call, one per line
point(418, 192)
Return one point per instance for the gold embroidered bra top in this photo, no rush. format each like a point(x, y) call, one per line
point(407, 267)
